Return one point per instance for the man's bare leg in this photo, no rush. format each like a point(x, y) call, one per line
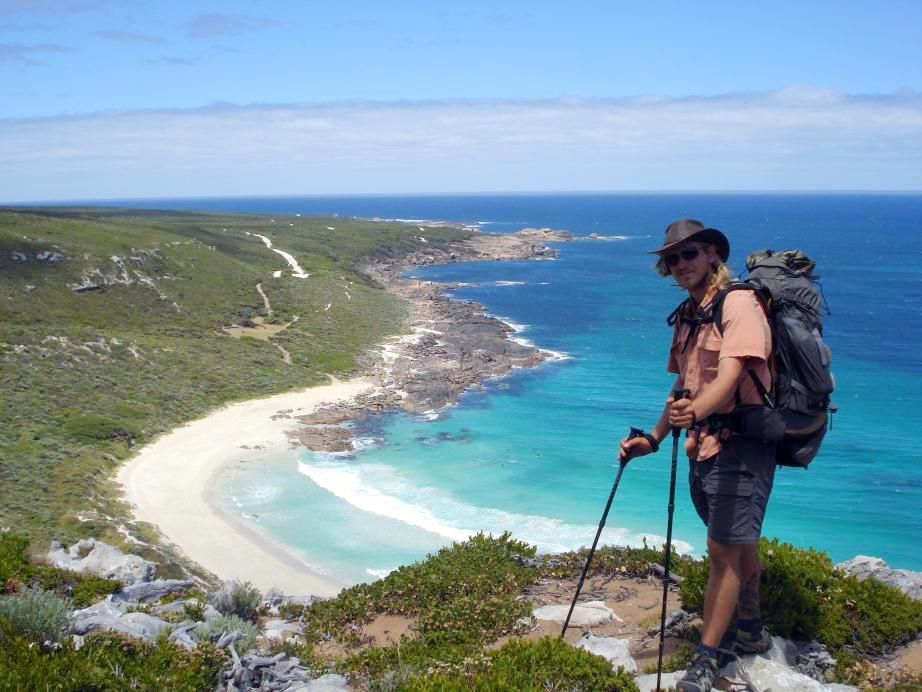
point(723, 590)
point(750, 572)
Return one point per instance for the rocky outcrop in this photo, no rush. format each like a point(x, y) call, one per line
point(94, 557)
point(452, 344)
point(588, 614)
point(864, 567)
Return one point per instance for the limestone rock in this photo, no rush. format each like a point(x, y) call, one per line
point(94, 557)
point(589, 614)
point(280, 630)
point(863, 567)
point(110, 615)
point(647, 683)
point(614, 650)
point(148, 592)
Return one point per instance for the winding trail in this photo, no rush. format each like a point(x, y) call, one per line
point(259, 288)
point(296, 269)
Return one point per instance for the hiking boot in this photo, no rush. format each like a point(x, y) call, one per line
point(700, 675)
point(749, 644)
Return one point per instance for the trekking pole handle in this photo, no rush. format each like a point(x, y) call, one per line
point(676, 395)
point(635, 432)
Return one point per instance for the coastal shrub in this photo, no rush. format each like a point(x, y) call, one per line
point(107, 662)
point(39, 615)
point(214, 629)
point(546, 664)
point(623, 560)
point(90, 589)
point(13, 559)
point(90, 427)
point(804, 597)
point(237, 598)
point(470, 587)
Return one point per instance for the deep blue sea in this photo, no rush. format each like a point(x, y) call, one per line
point(535, 452)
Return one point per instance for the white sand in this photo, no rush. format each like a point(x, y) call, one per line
point(171, 483)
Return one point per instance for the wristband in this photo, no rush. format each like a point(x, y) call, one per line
point(654, 445)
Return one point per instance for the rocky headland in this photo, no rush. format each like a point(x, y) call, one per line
point(450, 345)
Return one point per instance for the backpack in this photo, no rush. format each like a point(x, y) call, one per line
point(801, 380)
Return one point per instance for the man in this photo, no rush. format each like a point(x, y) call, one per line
point(730, 475)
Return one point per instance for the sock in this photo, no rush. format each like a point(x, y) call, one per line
point(710, 651)
point(751, 626)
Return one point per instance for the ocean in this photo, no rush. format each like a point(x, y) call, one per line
point(534, 453)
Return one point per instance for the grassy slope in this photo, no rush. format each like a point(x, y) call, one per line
point(131, 365)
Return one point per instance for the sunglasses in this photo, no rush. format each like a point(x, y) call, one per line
point(688, 255)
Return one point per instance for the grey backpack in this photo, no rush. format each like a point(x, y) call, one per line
point(801, 380)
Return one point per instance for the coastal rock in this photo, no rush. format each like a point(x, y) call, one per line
point(589, 614)
point(148, 592)
point(614, 650)
point(331, 416)
point(765, 673)
point(863, 567)
point(110, 615)
point(324, 438)
point(95, 557)
point(280, 630)
point(647, 683)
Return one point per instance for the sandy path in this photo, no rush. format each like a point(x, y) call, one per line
point(172, 481)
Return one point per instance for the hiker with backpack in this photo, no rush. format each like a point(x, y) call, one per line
point(731, 434)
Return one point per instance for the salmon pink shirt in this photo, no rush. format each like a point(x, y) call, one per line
point(746, 335)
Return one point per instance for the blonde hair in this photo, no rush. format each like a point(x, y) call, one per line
point(720, 272)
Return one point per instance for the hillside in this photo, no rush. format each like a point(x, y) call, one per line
point(118, 326)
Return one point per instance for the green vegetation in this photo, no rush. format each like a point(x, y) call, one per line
point(108, 662)
point(87, 376)
point(546, 664)
point(237, 598)
point(804, 597)
point(39, 615)
point(211, 630)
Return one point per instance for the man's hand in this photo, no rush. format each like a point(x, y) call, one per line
point(632, 447)
point(681, 413)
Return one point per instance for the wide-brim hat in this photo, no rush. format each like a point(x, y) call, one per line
point(686, 229)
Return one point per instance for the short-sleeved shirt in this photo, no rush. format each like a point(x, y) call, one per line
point(746, 335)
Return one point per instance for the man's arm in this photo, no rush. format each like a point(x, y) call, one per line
point(638, 446)
point(685, 412)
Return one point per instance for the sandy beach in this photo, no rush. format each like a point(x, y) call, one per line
point(170, 483)
point(447, 347)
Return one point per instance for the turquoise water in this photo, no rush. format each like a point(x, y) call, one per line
point(534, 452)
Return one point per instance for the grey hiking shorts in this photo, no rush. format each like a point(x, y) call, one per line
point(730, 490)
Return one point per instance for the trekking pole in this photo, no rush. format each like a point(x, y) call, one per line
point(635, 432)
point(676, 395)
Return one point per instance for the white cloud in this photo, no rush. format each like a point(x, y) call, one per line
point(797, 138)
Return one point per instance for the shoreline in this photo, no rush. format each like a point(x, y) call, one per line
point(178, 497)
point(449, 345)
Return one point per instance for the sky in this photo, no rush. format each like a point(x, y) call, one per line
point(103, 99)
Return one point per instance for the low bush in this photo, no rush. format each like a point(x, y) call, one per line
point(38, 615)
point(546, 664)
point(237, 598)
point(212, 630)
point(804, 597)
point(107, 662)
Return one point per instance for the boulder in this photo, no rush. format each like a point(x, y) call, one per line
point(647, 683)
point(765, 673)
point(95, 557)
point(588, 614)
point(325, 683)
point(863, 567)
point(110, 614)
point(614, 650)
point(280, 630)
point(150, 591)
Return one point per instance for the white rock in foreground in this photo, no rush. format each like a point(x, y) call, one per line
point(589, 614)
point(94, 557)
point(863, 567)
point(614, 650)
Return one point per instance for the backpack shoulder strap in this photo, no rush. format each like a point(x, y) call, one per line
point(674, 316)
point(717, 306)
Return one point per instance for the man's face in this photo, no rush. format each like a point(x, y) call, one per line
point(690, 264)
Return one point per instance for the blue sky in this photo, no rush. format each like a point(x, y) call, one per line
point(132, 99)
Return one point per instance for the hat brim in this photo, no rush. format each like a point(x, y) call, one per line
point(705, 235)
